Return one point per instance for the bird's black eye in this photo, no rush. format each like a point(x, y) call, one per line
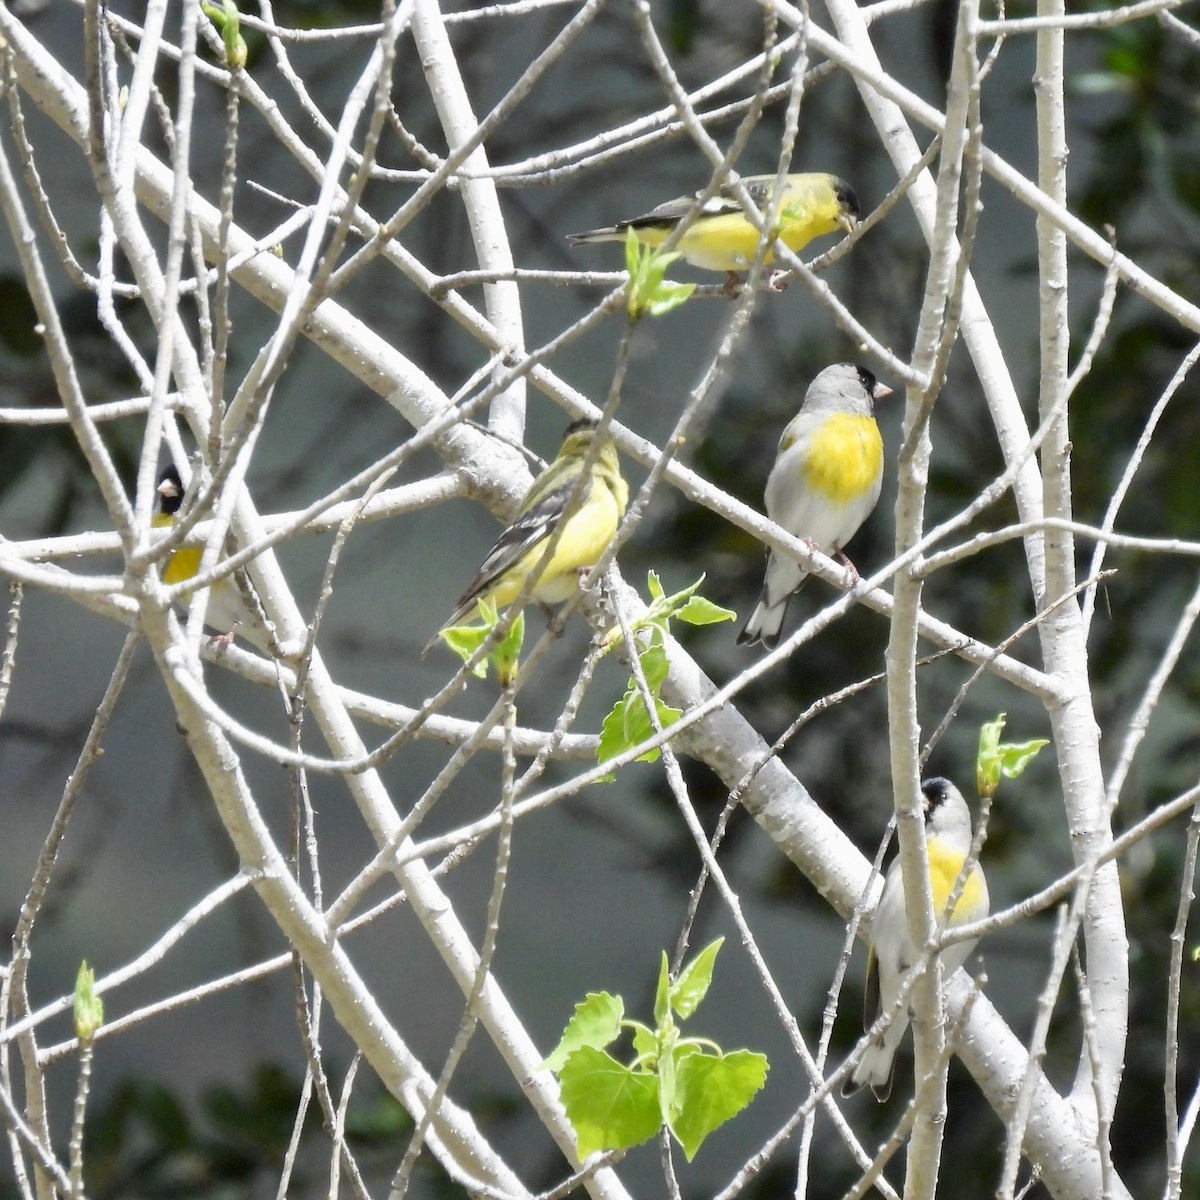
point(867, 380)
point(848, 200)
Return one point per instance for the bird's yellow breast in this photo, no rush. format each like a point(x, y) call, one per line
point(583, 541)
point(728, 242)
point(845, 457)
point(944, 868)
point(722, 243)
point(185, 562)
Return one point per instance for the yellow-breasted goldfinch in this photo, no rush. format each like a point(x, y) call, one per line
point(947, 843)
point(589, 528)
point(185, 562)
point(227, 611)
point(721, 238)
point(824, 484)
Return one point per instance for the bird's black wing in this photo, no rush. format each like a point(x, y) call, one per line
point(675, 210)
point(519, 538)
point(871, 998)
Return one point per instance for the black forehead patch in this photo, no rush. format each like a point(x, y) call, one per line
point(936, 792)
point(579, 426)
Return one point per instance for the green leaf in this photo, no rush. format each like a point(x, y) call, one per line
point(662, 994)
point(699, 611)
point(628, 723)
point(645, 1044)
point(226, 19)
point(666, 1087)
point(686, 1084)
point(1016, 756)
point(998, 759)
point(694, 980)
point(711, 1088)
point(610, 1106)
point(696, 610)
point(633, 256)
point(638, 727)
point(465, 641)
point(668, 296)
point(507, 652)
point(596, 1022)
point(648, 291)
point(655, 665)
point(987, 765)
point(89, 1008)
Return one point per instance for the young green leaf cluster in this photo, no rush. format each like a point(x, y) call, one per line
point(504, 652)
point(225, 18)
point(648, 291)
point(629, 722)
point(997, 759)
point(687, 1085)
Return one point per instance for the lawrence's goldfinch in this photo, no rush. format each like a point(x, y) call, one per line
point(589, 528)
point(185, 562)
point(722, 239)
point(947, 843)
point(227, 611)
point(824, 484)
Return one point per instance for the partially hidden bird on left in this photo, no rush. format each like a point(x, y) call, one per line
point(590, 526)
point(185, 561)
point(722, 238)
point(892, 954)
point(826, 479)
point(227, 611)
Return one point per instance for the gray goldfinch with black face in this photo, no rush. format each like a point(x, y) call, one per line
point(227, 612)
point(824, 484)
point(947, 843)
point(590, 527)
point(721, 238)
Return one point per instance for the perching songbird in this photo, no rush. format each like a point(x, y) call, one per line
point(721, 238)
point(824, 483)
point(590, 527)
point(227, 611)
point(947, 843)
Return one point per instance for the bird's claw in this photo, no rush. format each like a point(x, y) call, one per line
point(220, 642)
point(851, 569)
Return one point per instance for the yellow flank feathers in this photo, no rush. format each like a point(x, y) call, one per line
point(845, 457)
